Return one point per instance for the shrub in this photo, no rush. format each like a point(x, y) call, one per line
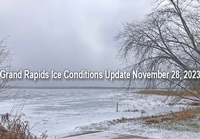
point(15, 128)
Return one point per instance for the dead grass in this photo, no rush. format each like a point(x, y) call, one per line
point(168, 93)
point(194, 104)
point(143, 111)
point(184, 114)
point(150, 121)
point(187, 114)
point(16, 128)
point(135, 110)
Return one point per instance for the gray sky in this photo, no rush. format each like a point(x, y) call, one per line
point(67, 34)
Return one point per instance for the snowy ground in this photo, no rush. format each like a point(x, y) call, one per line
point(63, 111)
point(138, 128)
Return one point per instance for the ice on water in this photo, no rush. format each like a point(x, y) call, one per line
point(60, 111)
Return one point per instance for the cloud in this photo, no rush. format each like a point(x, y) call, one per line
point(72, 34)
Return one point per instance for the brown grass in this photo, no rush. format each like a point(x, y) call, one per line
point(194, 104)
point(187, 114)
point(184, 114)
point(168, 93)
point(16, 129)
point(136, 110)
point(143, 111)
point(151, 121)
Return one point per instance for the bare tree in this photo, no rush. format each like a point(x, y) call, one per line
point(5, 60)
point(12, 127)
point(167, 39)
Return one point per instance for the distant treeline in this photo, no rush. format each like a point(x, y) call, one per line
point(77, 87)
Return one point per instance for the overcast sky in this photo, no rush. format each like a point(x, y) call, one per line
point(67, 34)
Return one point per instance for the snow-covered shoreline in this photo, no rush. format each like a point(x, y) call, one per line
point(62, 111)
